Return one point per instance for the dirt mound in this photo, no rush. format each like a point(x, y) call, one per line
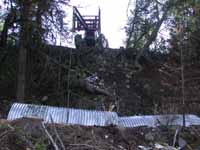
point(32, 134)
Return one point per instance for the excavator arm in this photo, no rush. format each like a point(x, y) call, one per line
point(78, 21)
point(92, 27)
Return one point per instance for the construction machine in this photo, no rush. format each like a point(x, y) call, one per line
point(91, 25)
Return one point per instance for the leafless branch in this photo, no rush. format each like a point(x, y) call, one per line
point(57, 135)
point(50, 137)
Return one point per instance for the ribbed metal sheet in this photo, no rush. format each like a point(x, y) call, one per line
point(158, 120)
point(98, 118)
point(136, 121)
point(89, 118)
point(63, 115)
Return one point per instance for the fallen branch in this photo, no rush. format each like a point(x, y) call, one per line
point(192, 79)
point(4, 133)
point(93, 88)
point(50, 137)
point(166, 73)
point(174, 69)
point(175, 136)
point(57, 135)
point(7, 131)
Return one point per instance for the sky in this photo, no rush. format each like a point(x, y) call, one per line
point(113, 17)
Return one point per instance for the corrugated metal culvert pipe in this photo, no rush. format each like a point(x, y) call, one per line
point(92, 117)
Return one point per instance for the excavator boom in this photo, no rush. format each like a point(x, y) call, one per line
point(92, 27)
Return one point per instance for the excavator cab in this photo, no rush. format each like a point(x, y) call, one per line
point(90, 38)
point(91, 25)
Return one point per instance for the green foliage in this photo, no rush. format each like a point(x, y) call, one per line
point(1, 21)
point(45, 20)
point(143, 19)
point(40, 146)
point(1, 26)
point(4, 126)
point(142, 22)
point(185, 23)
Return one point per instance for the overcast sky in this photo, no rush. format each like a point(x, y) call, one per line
point(113, 15)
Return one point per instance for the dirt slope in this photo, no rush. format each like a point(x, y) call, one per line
point(28, 134)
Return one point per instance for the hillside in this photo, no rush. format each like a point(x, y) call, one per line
point(32, 134)
point(155, 89)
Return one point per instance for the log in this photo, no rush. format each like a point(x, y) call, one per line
point(94, 89)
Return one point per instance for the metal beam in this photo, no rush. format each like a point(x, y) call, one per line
point(78, 16)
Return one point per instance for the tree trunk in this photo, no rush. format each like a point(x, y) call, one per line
point(21, 79)
point(39, 23)
point(22, 58)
